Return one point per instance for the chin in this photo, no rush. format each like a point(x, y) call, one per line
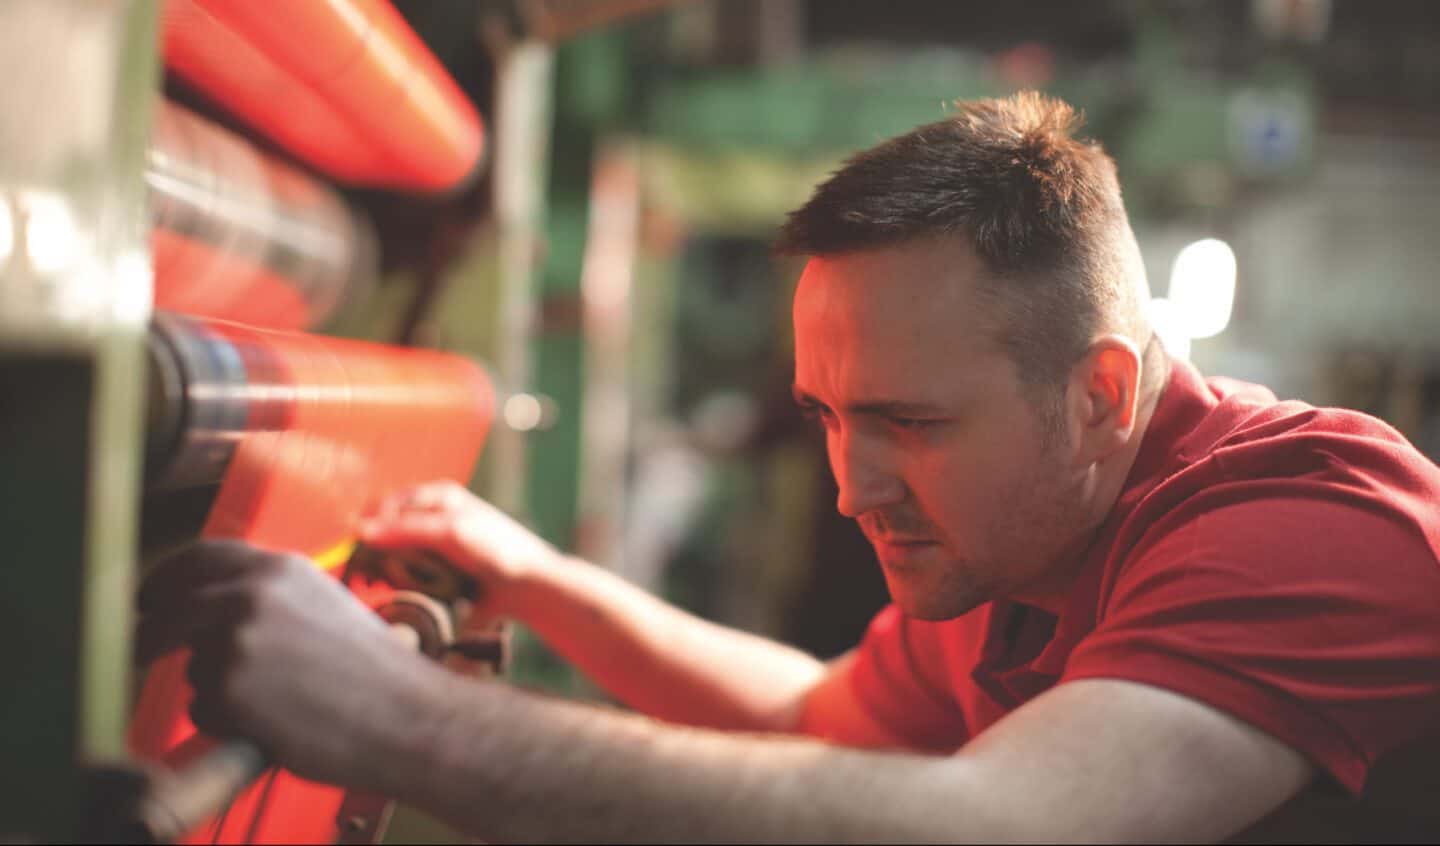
point(925, 602)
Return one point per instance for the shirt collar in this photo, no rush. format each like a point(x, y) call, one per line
point(1003, 669)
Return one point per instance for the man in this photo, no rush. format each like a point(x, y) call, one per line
point(1128, 605)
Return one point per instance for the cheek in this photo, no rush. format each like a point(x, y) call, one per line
point(953, 488)
point(968, 489)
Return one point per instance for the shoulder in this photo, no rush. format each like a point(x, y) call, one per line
point(1284, 552)
point(1277, 470)
point(1247, 431)
point(1313, 616)
point(1279, 561)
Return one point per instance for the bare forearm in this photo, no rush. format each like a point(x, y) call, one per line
point(647, 654)
point(662, 661)
point(1095, 761)
point(511, 767)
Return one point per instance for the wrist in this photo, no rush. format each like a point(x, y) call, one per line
point(535, 584)
point(399, 755)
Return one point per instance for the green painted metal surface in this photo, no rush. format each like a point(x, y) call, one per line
point(552, 491)
point(71, 379)
point(45, 465)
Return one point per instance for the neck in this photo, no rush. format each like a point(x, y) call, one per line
point(1114, 470)
point(1110, 476)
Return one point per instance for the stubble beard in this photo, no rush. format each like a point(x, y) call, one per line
point(955, 593)
point(1036, 521)
point(942, 589)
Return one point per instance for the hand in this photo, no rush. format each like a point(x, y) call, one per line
point(282, 655)
point(472, 534)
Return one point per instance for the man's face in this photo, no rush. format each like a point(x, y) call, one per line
point(940, 454)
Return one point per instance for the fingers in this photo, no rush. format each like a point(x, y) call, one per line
point(431, 496)
point(205, 562)
point(470, 533)
point(205, 611)
point(207, 586)
point(409, 529)
point(210, 659)
point(437, 495)
point(427, 516)
point(209, 717)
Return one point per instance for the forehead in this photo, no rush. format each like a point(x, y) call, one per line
point(911, 315)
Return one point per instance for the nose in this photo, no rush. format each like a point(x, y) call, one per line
point(866, 479)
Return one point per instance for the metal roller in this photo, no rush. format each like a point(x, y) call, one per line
point(199, 403)
point(370, 413)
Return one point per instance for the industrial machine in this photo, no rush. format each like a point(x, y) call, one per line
point(163, 278)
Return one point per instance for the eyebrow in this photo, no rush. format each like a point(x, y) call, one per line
point(894, 407)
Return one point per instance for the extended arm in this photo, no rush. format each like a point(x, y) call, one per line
point(287, 657)
point(661, 660)
point(1093, 760)
point(644, 652)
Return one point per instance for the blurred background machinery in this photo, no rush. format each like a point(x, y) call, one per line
point(580, 194)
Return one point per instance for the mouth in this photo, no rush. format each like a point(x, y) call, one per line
point(901, 551)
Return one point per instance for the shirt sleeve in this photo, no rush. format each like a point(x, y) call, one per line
point(1315, 621)
point(890, 681)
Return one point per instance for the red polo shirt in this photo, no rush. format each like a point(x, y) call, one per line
point(1275, 560)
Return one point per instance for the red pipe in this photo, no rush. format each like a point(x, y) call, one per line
point(345, 85)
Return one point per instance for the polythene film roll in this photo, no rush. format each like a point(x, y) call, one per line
point(301, 433)
point(239, 235)
point(265, 411)
point(344, 85)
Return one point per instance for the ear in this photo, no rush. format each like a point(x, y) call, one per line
point(1105, 391)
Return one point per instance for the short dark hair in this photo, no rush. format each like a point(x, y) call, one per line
point(1041, 209)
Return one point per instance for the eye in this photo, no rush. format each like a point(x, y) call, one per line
point(912, 424)
point(817, 415)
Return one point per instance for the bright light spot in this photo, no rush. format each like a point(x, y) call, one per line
point(1170, 326)
point(523, 412)
point(133, 288)
point(79, 296)
point(7, 230)
point(1202, 287)
point(51, 237)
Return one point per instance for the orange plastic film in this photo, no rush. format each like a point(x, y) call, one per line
point(364, 419)
point(241, 236)
point(291, 423)
point(345, 85)
point(303, 433)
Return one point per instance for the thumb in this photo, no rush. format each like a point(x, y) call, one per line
point(425, 529)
